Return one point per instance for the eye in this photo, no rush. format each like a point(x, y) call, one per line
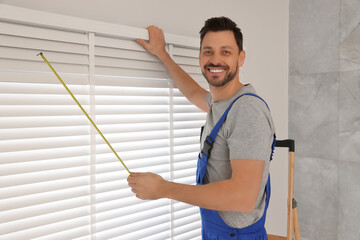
point(207, 52)
point(227, 52)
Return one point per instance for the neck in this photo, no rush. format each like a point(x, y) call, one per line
point(227, 91)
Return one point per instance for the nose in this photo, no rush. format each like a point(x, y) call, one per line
point(215, 59)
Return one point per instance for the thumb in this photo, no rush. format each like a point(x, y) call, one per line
point(143, 43)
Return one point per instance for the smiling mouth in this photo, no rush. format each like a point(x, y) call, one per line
point(215, 69)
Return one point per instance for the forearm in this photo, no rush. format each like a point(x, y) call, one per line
point(187, 86)
point(221, 196)
point(239, 193)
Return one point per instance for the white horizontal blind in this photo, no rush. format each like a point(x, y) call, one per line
point(44, 139)
point(57, 172)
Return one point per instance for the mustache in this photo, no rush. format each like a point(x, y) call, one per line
point(212, 65)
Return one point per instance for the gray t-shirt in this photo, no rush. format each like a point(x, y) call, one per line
point(247, 133)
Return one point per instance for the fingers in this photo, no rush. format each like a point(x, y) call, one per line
point(134, 178)
point(156, 34)
point(146, 185)
point(156, 43)
point(153, 28)
point(132, 181)
point(153, 32)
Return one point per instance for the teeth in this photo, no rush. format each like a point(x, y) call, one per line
point(216, 70)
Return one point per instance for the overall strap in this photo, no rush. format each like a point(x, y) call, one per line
point(209, 141)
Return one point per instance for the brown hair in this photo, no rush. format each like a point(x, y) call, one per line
point(222, 24)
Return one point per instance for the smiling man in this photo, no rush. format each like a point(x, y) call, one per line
point(219, 71)
point(237, 141)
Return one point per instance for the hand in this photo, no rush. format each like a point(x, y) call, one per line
point(156, 44)
point(148, 186)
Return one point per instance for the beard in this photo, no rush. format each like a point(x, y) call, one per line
point(228, 77)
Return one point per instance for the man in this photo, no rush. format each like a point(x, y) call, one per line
point(233, 187)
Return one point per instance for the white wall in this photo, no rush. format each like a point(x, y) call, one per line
point(265, 27)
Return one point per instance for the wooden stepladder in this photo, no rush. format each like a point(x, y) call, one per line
point(292, 217)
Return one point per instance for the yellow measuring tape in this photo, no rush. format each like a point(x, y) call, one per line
point(92, 122)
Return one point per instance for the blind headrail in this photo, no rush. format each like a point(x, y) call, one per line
point(46, 19)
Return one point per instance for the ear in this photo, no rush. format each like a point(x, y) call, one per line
point(241, 58)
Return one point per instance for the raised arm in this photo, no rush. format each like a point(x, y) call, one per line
point(188, 87)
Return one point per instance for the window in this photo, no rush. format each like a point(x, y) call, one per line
point(58, 179)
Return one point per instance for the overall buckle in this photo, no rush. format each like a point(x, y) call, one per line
point(208, 145)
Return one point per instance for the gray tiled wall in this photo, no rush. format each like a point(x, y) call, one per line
point(324, 92)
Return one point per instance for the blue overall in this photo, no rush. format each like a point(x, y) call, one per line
point(213, 226)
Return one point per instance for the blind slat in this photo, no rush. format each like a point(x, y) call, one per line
point(135, 73)
point(43, 154)
point(177, 51)
point(43, 209)
point(75, 233)
point(103, 41)
point(43, 176)
point(125, 54)
point(29, 167)
point(42, 33)
point(129, 64)
point(42, 45)
point(31, 55)
point(29, 66)
point(42, 227)
point(187, 61)
point(37, 188)
point(29, 77)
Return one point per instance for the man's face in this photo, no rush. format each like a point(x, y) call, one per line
point(220, 58)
